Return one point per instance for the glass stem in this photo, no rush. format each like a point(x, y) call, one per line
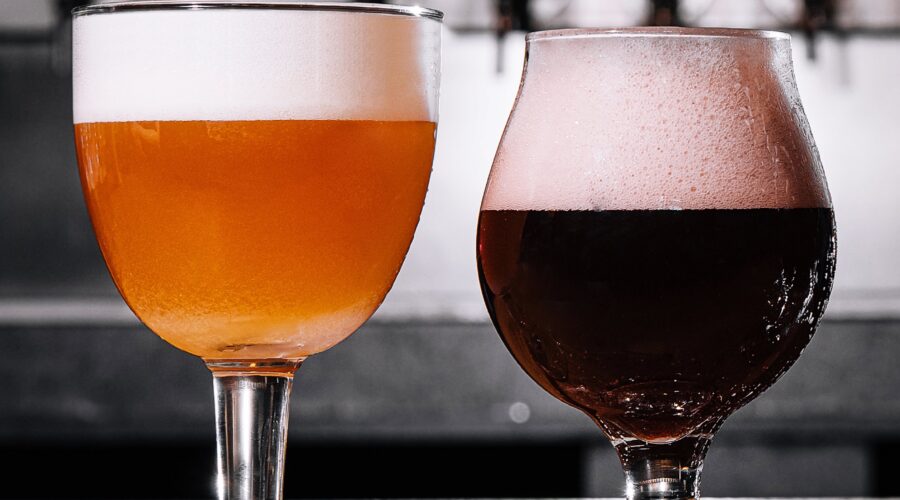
point(663, 471)
point(252, 408)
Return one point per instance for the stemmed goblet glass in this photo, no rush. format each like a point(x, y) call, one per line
point(656, 242)
point(254, 172)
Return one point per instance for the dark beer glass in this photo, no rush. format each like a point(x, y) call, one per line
point(656, 242)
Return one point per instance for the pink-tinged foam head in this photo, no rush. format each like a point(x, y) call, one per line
point(145, 61)
point(657, 119)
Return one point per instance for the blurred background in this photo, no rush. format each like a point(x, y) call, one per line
point(424, 401)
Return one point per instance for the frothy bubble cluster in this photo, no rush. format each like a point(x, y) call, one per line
point(249, 64)
point(657, 122)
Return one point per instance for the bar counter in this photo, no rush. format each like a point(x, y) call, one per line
point(371, 404)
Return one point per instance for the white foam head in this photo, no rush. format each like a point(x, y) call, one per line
point(657, 120)
point(254, 64)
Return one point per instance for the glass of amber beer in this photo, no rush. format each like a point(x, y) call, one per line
point(254, 173)
point(656, 242)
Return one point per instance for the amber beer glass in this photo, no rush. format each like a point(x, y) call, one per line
point(254, 173)
point(656, 242)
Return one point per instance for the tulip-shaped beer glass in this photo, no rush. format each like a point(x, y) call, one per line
point(254, 173)
point(656, 241)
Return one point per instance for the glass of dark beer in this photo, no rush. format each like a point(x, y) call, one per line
point(656, 242)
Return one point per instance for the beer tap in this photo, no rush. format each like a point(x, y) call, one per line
point(511, 15)
point(818, 15)
point(664, 13)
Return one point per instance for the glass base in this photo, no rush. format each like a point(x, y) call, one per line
point(262, 367)
point(665, 470)
point(252, 409)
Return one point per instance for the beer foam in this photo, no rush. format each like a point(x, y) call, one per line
point(254, 64)
point(657, 120)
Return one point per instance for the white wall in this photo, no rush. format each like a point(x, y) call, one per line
point(852, 97)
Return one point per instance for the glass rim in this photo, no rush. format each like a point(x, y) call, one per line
point(364, 8)
point(656, 32)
